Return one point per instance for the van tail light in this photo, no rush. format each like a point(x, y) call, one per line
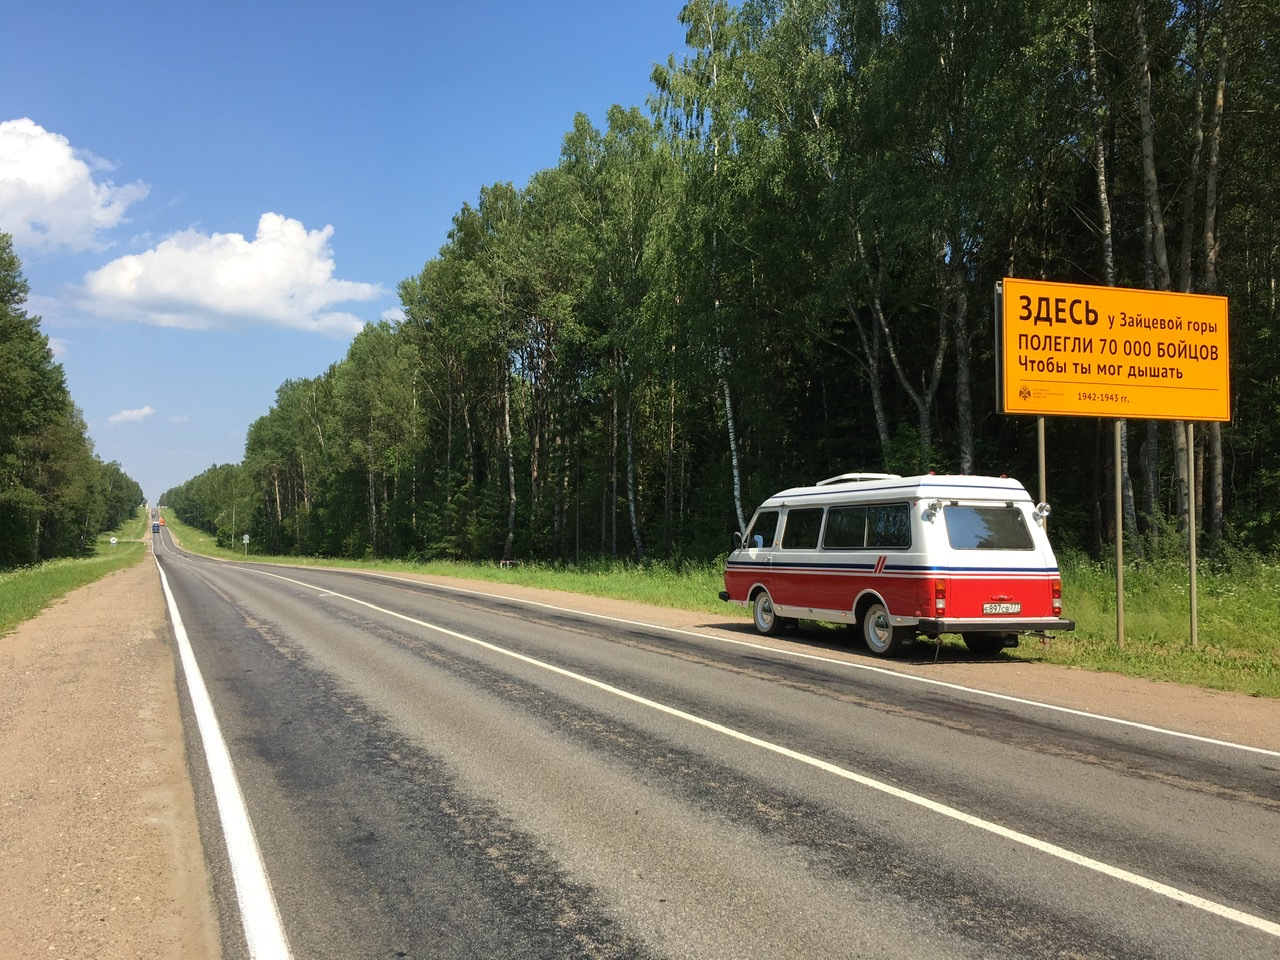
point(939, 597)
point(1057, 598)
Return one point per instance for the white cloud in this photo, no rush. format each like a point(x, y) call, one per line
point(130, 416)
point(58, 347)
point(282, 278)
point(393, 315)
point(179, 418)
point(49, 195)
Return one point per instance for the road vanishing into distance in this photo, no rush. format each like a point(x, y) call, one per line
point(432, 773)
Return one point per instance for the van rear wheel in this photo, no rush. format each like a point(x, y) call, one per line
point(881, 636)
point(767, 620)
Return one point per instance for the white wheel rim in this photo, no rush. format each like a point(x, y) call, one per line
point(764, 612)
point(880, 632)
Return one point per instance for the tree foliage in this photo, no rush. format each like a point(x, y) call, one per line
point(784, 270)
point(56, 496)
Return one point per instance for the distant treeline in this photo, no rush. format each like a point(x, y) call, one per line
point(55, 494)
point(784, 270)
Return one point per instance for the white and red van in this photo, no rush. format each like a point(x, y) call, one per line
point(901, 557)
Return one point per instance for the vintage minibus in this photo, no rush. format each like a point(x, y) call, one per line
point(901, 557)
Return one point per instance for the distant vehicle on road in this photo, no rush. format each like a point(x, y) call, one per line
point(155, 528)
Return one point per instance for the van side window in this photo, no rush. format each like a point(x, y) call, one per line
point(764, 526)
point(846, 528)
point(801, 531)
point(889, 525)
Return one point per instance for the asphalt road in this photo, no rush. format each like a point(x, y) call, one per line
point(435, 775)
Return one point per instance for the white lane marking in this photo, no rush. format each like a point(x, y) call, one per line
point(258, 912)
point(843, 663)
point(1153, 886)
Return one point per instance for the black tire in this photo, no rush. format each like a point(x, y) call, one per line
point(766, 618)
point(985, 644)
point(881, 637)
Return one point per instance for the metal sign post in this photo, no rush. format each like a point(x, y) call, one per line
point(1191, 528)
point(1086, 351)
point(1119, 544)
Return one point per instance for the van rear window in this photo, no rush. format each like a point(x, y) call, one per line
point(987, 528)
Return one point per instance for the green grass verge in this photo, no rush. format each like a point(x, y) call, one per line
point(1238, 616)
point(28, 590)
point(1239, 610)
point(693, 587)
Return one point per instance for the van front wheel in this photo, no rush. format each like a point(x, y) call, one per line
point(882, 637)
point(767, 620)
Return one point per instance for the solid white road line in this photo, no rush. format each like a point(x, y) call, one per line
point(258, 912)
point(1154, 886)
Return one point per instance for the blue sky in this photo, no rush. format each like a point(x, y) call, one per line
point(209, 199)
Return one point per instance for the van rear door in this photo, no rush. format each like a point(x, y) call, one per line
point(1001, 563)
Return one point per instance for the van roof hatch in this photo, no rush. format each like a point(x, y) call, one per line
point(857, 478)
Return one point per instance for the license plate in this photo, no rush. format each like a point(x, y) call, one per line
point(1002, 608)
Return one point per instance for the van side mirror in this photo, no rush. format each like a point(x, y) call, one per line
point(737, 540)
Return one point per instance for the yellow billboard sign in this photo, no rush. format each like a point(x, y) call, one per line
point(1067, 349)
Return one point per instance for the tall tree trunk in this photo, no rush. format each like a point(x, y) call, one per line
point(414, 459)
point(668, 480)
point(964, 377)
point(373, 502)
point(733, 443)
point(872, 348)
point(613, 480)
point(1100, 155)
point(536, 431)
point(1129, 509)
point(464, 522)
point(1160, 254)
point(508, 548)
point(1193, 169)
point(1154, 209)
point(632, 508)
point(1216, 492)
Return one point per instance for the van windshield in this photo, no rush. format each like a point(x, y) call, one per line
point(987, 528)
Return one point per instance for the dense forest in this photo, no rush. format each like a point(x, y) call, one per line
point(783, 269)
point(56, 495)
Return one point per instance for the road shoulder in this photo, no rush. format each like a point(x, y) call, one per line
point(100, 853)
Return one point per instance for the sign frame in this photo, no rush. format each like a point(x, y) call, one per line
point(1065, 349)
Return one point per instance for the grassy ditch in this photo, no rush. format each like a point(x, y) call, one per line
point(28, 590)
point(1238, 622)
